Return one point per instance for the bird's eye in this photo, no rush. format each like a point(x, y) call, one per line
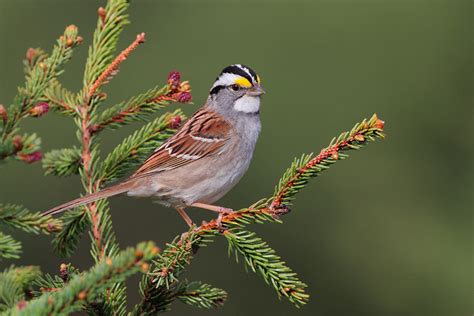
point(235, 87)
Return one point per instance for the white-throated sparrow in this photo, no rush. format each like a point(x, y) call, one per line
point(206, 157)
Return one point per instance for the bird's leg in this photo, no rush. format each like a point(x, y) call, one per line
point(214, 208)
point(185, 216)
point(221, 210)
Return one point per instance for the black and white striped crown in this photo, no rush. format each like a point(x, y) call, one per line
point(235, 74)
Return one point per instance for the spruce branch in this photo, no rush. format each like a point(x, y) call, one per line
point(41, 70)
point(263, 259)
point(9, 247)
point(52, 283)
point(202, 295)
point(134, 109)
point(301, 170)
point(156, 300)
point(75, 223)
point(177, 254)
point(110, 24)
point(112, 69)
point(15, 285)
point(85, 288)
point(62, 162)
point(60, 99)
point(17, 216)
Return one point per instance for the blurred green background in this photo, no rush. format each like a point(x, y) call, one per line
point(386, 232)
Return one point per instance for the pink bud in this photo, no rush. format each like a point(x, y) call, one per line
point(39, 109)
point(30, 54)
point(174, 78)
point(184, 97)
point(175, 121)
point(21, 304)
point(30, 158)
point(379, 124)
point(17, 143)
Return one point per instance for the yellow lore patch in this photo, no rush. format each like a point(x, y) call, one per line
point(243, 82)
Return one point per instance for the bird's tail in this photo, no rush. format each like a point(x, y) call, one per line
point(105, 193)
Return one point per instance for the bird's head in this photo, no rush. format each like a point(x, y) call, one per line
point(237, 88)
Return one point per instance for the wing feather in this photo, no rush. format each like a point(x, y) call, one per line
point(204, 134)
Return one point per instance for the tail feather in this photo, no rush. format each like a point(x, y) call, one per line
point(105, 193)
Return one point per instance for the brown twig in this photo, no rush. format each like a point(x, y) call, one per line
point(113, 67)
point(86, 130)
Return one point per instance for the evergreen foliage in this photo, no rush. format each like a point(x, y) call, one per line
point(101, 290)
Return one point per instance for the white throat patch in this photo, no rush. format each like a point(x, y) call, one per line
point(247, 104)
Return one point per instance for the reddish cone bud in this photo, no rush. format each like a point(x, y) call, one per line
point(63, 273)
point(71, 28)
point(174, 78)
point(379, 123)
point(17, 143)
point(79, 40)
point(141, 38)
point(30, 54)
point(155, 250)
point(21, 304)
point(101, 11)
point(139, 255)
point(82, 295)
point(144, 267)
point(3, 114)
point(62, 267)
point(39, 109)
point(42, 66)
point(175, 122)
point(30, 158)
point(184, 97)
point(335, 155)
point(359, 137)
point(69, 42)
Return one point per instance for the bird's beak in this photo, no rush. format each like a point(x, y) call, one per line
point(255, 91)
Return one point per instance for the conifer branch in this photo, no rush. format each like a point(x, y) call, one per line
point(112, 69)
point(307, 166)
point(17, 216)
point(85, 288)
point(262, 259)
point(75, 224)
point(15, 285)
point(60, 99)
point(202, 295)
point(177, 254)
point(40, 71)
point(9, 247)
point(62, 162)
point(110, 25)
point(134, 109)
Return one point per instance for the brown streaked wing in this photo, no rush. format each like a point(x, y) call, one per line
point(203, 135)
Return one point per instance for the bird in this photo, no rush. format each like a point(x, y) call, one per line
point(205, 158)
